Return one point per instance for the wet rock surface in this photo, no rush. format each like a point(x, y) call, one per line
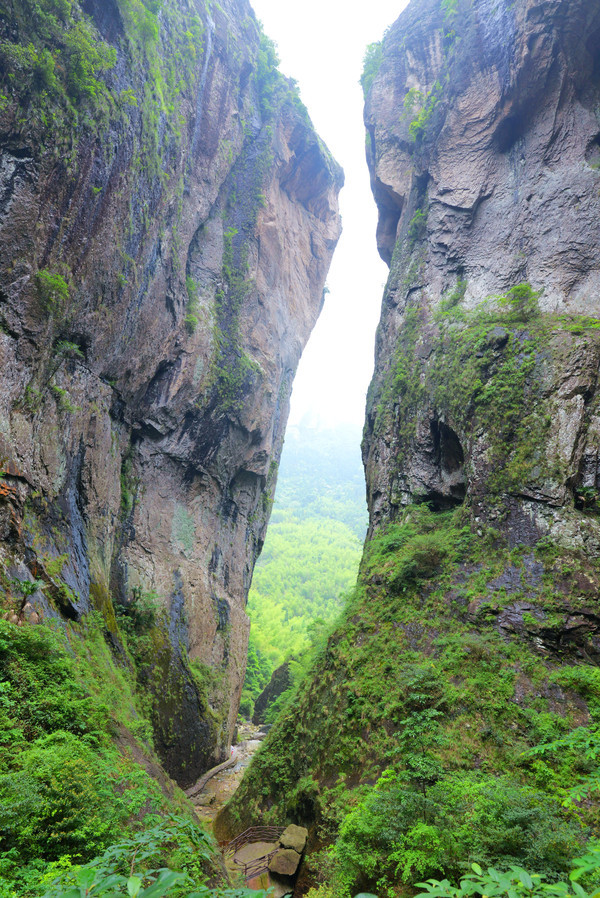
point(160, 276)
point(482, 166)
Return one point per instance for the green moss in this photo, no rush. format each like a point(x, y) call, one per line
point(372, 61)
point(103, 603)
point(403, 388)
point(408, 689)
point(129, 483)
point(191, 317)
point(233, 371)
point(183, 530)
point(484, 373)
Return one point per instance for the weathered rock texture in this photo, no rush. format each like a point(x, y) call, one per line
point(475, 612)
point(167, 219)
point(279, 682)
point(483, 147)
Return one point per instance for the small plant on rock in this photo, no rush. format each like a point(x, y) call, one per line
point(521, 302)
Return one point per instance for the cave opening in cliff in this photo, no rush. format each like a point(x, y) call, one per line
point(449, 461)
point(510, 130)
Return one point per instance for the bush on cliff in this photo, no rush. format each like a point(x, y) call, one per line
point(399, 833)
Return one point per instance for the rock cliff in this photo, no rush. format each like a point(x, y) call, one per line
point(473, 632)
point(167, 219)
point(483, 148)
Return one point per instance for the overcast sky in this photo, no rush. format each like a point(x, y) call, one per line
point(321, 44)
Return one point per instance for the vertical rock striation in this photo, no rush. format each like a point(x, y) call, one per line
point(167, 220)
point(483, 148)
point(474, 622)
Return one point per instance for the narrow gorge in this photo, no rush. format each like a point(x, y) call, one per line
point(167, 220)
point(417, 744)
point(168, 216)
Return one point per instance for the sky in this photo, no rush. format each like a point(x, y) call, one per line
point(321, 43)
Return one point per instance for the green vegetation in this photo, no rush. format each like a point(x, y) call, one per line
point(176, 842)
point(521, 302)
point(53, 291)
point(371, 64)
point(395, 833)
point(423, 739)
point(66, 791)
point(517, 882)
point(485, 374)
point(450, 8)
point(191, 318)
point(54, 74)
point(81, 809)
point(321, 476)
point(304, 569)
point(269, 80)
point(417, 228)
point(233, 371)
point(418, 126)
point(312, 550)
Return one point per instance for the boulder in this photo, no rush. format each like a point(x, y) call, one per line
point(285, 862)
point(294, 837)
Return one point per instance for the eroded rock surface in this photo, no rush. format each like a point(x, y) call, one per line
point(279, 682)
point(482, 440)
point(483, 148)
point(165, 238)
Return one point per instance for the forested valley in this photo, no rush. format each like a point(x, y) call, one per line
point(312, 550)
point(168, 216)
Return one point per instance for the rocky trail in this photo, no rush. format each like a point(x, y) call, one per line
point(216, 791)
point(249, 855)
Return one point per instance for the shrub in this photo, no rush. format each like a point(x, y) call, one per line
point(53, 290)
point(59, 802)
point(268, 78)
point(398, 833)
point(371, 64)
point(521, 301)
point(417, 228)
point(136, 866)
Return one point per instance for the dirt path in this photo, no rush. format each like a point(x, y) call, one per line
point(219, 789)
point(217, 792)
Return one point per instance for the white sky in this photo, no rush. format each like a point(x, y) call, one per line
point(321, 44)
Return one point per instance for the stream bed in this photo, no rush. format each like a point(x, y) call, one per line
point(217, 792)
point(221, 786)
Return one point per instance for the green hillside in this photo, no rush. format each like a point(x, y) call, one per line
point(312, 550)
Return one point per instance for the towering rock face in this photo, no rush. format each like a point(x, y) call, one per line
point(483, 147)
point(474, 622)
point(167, 219)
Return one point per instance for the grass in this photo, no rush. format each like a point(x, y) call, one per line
point(410, 685)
